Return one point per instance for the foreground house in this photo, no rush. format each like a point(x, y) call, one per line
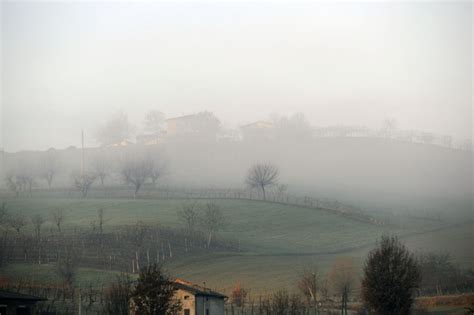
point(198, 300)
point(12, 303)
point(195, 300)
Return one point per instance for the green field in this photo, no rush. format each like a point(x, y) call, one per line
point(276, 241)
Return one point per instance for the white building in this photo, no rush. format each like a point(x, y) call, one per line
point(198, 300)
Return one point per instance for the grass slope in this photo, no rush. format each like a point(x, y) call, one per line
point(277, 241)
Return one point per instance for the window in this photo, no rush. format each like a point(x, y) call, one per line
point(186, 297)
point(22, 310)
point(186, 311)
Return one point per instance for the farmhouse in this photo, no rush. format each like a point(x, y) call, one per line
point(198, 300)
point(180, 125)
point(257, 130)
point(12, 303)
point(195, 300)
point(202, 124)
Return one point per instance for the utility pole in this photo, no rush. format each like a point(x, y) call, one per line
point(79, 301)
point(82, 155)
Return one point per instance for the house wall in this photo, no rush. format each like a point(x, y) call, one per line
point(171, 127)
point(213, 304)
point(197, 305)
point(188, 301)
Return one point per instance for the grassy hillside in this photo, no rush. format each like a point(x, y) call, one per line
point(262, 227)
point(276, 241)
point(371, 172)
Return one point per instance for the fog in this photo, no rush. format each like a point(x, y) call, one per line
point(291, 158)
point(67, 67)
point(396, 75)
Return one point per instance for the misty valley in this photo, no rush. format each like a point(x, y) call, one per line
point(207, 157)
point(250, 214)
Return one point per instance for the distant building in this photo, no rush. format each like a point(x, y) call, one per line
point(180, 125)
point(342, 131)
point(257, 130)
point(149, 139)
point(198, 300)
point(122, 143)
point(229, 135)
point(203, 124)
point(12, 303)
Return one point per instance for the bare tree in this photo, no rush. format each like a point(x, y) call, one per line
point(262, 175)
point(57, 217)
point(154, 122)
point(84, 183)
point(291, 128)
point(20, 182)
point(49, 168)
point(389, 126)
point(309, 283)
point(238, 295)
point(138, 235)
point(3, 213)
point(67, 266)
point(101, 220)
point(189, 217)
point(13, 184)
point(21, 176)
point(117, 298)
point(212, 221)
point(101, 168)
point(37, 221)
point(280, 302)
point(281, 190)
point(115, 130)
point(27, 181)
point(135, 173)
point(17, 222)
point(158, 169)
point(342, 280)
point(296, 305)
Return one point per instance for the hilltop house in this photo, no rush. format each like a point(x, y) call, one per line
point(150, 139)
point(180, 125)
point(122, 143)
point(204, 124)
point(257, 130)
point(12, 303)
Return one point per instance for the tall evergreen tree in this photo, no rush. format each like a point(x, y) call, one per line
point(154, 293)
point(391, 275)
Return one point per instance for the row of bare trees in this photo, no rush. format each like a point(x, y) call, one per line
point(133, 168)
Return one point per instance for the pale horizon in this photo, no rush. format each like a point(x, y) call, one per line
point(68, 66)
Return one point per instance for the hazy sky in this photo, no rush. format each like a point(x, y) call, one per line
point(67, 66)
